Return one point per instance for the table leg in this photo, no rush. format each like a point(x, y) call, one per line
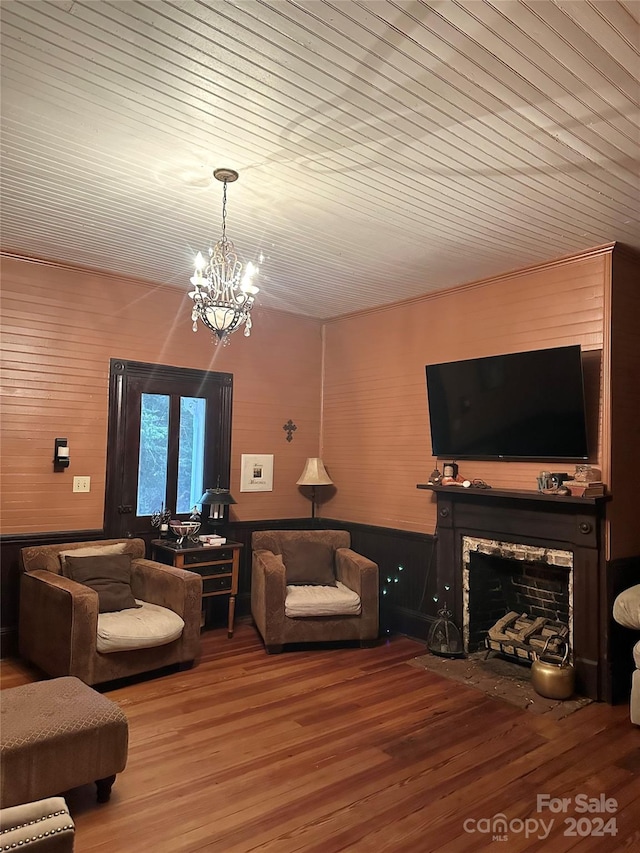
point(232, 610)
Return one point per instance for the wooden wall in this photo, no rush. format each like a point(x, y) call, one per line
point(376, 440)
point(60, 327)
point(362, 404)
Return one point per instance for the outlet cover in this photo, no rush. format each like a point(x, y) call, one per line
point(82, 484)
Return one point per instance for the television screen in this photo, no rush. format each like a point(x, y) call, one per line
point(525, 405)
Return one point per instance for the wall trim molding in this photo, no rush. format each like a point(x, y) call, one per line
point(416, 535)
point(52, 537)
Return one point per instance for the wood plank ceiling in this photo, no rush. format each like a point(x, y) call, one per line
point(385, 149)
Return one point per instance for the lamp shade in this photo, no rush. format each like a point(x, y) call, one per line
point(314, 474)
point(217, 496)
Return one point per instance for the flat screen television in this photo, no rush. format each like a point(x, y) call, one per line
point(524, 405)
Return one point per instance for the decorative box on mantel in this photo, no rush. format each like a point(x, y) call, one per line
point(542, 524)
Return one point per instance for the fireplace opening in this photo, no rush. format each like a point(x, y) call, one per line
point(515, 597)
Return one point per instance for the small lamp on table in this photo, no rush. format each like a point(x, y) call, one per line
point(218, 499)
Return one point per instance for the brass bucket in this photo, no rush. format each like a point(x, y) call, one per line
point(550, 679)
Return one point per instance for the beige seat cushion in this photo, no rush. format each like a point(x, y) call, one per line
point(336, 600)
point(140, 628)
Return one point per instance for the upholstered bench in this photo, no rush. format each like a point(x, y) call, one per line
point(56, 735)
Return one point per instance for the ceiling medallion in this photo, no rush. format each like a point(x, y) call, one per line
point(222, 294)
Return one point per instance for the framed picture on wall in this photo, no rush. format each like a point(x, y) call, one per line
point(256, 472)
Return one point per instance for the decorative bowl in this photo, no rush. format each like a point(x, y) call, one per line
point(184, 528)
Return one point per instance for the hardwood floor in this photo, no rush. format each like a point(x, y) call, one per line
point(348, 750)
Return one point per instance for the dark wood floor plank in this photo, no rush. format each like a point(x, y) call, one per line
point(341, 749)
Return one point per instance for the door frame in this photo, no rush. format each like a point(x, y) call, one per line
point(121, 371)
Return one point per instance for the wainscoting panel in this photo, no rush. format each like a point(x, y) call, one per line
point(408, 584)
point(406, 560)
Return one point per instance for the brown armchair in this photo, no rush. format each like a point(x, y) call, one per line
point(62, 632)
point(272, 598)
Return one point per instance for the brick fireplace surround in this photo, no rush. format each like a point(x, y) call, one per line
point(501, 577)
point(541, 524)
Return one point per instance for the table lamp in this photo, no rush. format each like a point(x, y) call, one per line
point(218, 499)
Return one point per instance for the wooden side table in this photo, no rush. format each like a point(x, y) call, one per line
point(219, 566)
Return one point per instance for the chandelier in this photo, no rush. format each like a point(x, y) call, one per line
point(222, 295)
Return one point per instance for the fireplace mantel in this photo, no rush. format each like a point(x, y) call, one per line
point(536, 519)
point(513, 494)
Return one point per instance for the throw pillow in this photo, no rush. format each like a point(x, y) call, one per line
point(109, 575)
point(308, 563)
point(90, 551)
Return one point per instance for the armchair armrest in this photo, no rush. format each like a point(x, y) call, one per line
point(44, 825)
point(176, 589)
point(58, 623)
point(268, 592)
point(357, 572)
point(360, 574)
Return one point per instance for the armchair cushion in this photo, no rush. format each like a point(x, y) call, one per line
point(319, 600)
point(149, 626)
point(308, 562)
point(90, 551)
point(109, 575)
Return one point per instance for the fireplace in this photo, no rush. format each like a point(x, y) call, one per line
point(532, 552)
point(498, 577)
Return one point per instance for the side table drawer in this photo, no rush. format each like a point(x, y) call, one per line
point(222, 584)
point(208, 555)
point(205, 571)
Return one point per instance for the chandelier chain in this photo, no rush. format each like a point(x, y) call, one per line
point(224, 213)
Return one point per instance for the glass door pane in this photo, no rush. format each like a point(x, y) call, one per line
point(191, 453)
point(154, 450)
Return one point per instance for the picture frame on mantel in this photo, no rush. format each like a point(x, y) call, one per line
point(256, 472)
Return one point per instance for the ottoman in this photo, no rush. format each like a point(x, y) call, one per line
point(56, 735)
